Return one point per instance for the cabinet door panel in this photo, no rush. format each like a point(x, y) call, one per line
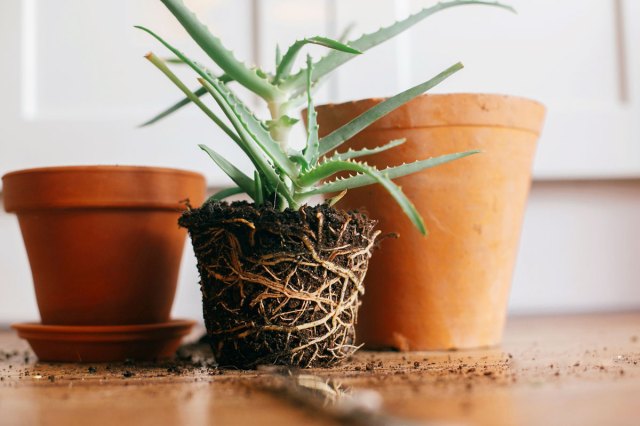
point(281, 23)
point(579, 58)
point(377, 72)
point(76, 84)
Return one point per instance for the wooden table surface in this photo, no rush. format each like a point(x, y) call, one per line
point(565, 370)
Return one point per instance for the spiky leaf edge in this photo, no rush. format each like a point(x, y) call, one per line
point(243, 181)
point(175, 80)
point(198, 93)
point(224, 58)
point(312, 147)
point(364, 120)
point(351, 154)
point(246, 141)
point(394, 172)
point(334, 59)
point(331, 168)
point(285, 65)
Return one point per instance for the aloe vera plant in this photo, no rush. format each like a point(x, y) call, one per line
point(285, 176)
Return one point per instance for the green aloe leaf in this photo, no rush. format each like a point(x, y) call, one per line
point(190, 95)
point(313, 144)
point(333, 200)
point(243, 181)
point(192, 64)
point(299, 159)
point(334, 59)
point(350, 154)
point(248, 141)
point(199, 92)
point(282, 121)
point(258, 130)
point(300, 98)
point(330, 168)
point(355, 126)
point(286, 62)
point(391, 172)
point(258, 193)
point(214, 48)
point(278, 55)
point(225, 193)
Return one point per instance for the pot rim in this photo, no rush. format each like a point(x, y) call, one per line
point(101, 168)
point(440, 95)
point(101, 187)
point(39, 328)
point(443, 110)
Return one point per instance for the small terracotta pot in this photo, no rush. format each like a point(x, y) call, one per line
point(450, 289)
point(103, 241)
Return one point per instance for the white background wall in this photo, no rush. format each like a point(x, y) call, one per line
point(74, 85)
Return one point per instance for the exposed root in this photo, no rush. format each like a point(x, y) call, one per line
point(280, 287)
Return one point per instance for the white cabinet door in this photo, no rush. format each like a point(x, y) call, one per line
point(75, 85)
point(580, 58)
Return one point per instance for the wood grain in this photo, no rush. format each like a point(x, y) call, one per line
point(550, 370)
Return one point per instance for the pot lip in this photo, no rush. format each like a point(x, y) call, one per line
point(103, 168)
point(44, 329)
point(440, 96)
point(430, 111)
point(114, 187)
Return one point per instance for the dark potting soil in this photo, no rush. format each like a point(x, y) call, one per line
point(280, 287)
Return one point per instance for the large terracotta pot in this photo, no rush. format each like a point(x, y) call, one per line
point(450, 289)
point(103, 241)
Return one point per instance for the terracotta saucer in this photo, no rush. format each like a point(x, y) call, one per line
point(146, 342)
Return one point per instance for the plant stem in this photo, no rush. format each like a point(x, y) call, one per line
point(279, 131)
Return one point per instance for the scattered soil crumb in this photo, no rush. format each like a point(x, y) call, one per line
point(174, 369)
point(128, 374)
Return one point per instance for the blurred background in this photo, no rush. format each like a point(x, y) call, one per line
point(74, 86)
